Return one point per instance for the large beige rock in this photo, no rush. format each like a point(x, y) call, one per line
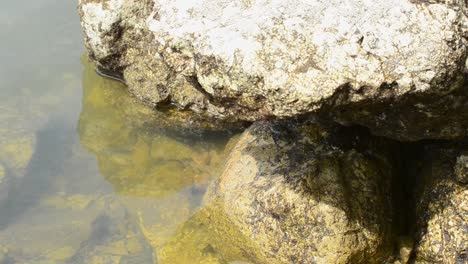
point(307, 195)
point(442, 207)
point(368, 61)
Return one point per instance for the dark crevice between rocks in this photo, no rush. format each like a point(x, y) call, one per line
point(408, 118)
point(406, 182)
point(404, 185)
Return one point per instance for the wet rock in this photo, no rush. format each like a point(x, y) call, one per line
point(309, 194)
point(143, 152)
point(442, 209)
point(208, 237)
point(17, 140)
point(247, 60)
point(68, 217)
point(76, 229)
point(114, 239)
point(17, 152)
point(3, 254)
point(108, 98)
point(4, 185)
point(2, 172)
point(158, 163)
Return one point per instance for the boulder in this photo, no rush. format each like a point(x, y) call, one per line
point(442, 206)
point(367, 62)
point(309, 194)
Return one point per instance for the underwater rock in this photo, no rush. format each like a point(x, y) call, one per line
point(398, 67)
point(143, 152)
point(76, 229)
point(4, 187)
point(2, 173)
point(208, 237)
point(309, 194)
point(114, 238)
point(158, 163)
point(17, 140)
point(442, 206)
point(17, 152)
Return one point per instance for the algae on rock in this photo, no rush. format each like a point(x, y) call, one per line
point(208, 237)
point(309, 194)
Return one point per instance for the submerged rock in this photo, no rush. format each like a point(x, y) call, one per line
point(114, 238)
point(442, 207)
point(309, 194)
point(2, 173)
point(247, 60)
point(208, 237)
point(143, 152)
point(17, 140)
point(3, 185)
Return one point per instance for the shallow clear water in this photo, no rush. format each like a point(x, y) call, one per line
point(88, 175)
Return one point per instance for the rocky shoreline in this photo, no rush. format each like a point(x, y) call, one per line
point(358, 149)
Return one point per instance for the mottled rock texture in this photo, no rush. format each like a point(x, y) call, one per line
point(303, 194)
point(442, 207)
point(382, 64)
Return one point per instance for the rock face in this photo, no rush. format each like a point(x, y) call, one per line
point(442, 209)
point(303, 195)
point(370, 61)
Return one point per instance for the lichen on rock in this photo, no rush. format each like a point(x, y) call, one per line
point(251, 60)
point(292, 192)
point(304, 194)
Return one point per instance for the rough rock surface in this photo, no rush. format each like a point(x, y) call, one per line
point(304, 195)
point(442, 208)
point(251, 59)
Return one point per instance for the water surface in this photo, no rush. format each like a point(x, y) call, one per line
point(87, 174)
